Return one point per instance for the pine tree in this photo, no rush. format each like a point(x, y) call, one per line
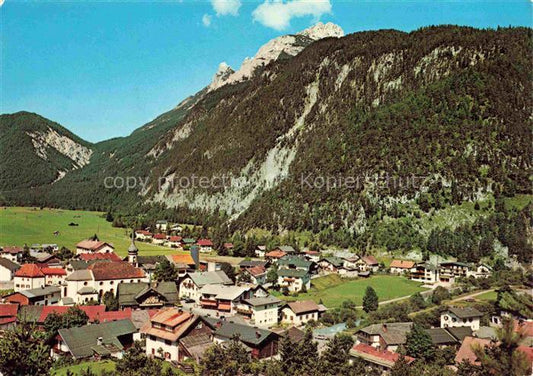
point(370, 300)
point(419, 344)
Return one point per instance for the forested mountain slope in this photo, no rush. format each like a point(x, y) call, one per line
point(447, 105)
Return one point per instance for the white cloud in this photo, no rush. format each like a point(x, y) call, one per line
point(277, 14)
point(226, 7)
point(206, 20)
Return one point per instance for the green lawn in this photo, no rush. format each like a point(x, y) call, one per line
point(491, 295)
point(333, 290)
point(96, 367)
point(31, 225)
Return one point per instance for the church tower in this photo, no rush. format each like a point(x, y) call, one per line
point(132, 250)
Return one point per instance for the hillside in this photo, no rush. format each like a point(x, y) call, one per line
point(419, 121)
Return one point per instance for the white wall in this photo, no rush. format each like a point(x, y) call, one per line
point(448, 320)
point(153, 345)
point(26, 283)
point(265, 316)
point(6, 274)
point(288, 316)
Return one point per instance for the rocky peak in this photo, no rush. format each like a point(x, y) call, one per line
point(288, 44)
point(320, 30)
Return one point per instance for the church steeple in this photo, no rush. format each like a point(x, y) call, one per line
point(132, 250)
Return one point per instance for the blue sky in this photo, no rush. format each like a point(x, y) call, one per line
point(102, 69)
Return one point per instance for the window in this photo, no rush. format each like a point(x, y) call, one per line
point(167, 342)
point(112, 282)
point(84, 283)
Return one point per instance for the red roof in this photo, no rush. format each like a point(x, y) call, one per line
point(175, 238)
point(114, 270)
point(204, 243)
point(256, 270)
point(8, 310)
point(228, 245)
point(402, 264)
point(144, 232)
point(92, 245)
point(275, 254)
point(54, 271)
point(312, 252)
point(29, 270)
point(112, 256)
point(160, 236)
point(525, 327)
point(183, 259)
point(370, 260)
point(371, 353)
point(466, 352)
point(92, 312)
point(12, 250)
point(114, 315)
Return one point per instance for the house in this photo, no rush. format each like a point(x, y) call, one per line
point(367, 264)
point(286, 248)
point(257, 274)
point(143, 235)
point(350, 262)
point(245, 264)
point(29, 276)
point(143, 295)
point(481, 271)
point(449, 271)
point(45, 295)
point(44, 259)
point(425, 272)
point(161, 225)
point(165, 329)
point(205, 245)
point(111, 256)
point(442, 337)
point(260, 251)
point(188, 241)
point(12, 253)
point(299, 312)
point(383, 359)
point(262, 311)
point(297, 263)
point(54, 276)
point(461, 316)
point(99, 278)
point(174, 241)
point(387, 336)
point(331, 264)
point(8, 269)
point(294, 279)
point(223, 298)
point(8, 316)
point(159, 239)
point(262, 343)
point(93, 246)
point(312, 256)
point(149, 263)
point(190, 286)
point(37, 314)
point(275, 255)
point(184, 263)
point(401, 266)
point(107, 339)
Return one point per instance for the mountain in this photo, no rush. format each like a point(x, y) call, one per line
point(36, 151)
point(398, 123)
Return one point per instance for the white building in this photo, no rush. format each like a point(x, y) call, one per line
point(461, 316)
point(8, 269)
point(300, 312)
point(294, 279)
point(425, 272)
point(29, 276)
point(190, 286)
point(11, 253)
point(263, 312)
point(93, 246)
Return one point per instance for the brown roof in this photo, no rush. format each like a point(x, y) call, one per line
point(183, 259)
point(381, 357)
point(256, 270)
point(275, 254)
point(465, 312)
point(403, 264)
point(393, 333)
point(370, 260)
point(12, 250)
point(114, 270)
point(92, 245)
point(303, 306)
point(179, 320)
point(29, 270)
point(467, 353)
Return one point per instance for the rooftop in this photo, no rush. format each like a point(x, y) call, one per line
point(92, 245)
point(402, 264)
point(8, 264)
point(129, 294)
point(208, 278)
point(382, 357)
point(249, 335)
point(394, 333)
point(112, 256)
point(114, 270)
point(465, 312)
point(303, 306)
point(224, 292)
point(29, 271)
point(262, 301)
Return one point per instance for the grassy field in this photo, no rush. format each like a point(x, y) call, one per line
point(96, 367)
point(333, 290)
point(19, 226)
point(491, 295)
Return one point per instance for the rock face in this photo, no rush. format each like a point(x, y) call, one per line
point(290, 45)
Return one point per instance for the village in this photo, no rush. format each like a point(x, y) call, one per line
point(177, 306)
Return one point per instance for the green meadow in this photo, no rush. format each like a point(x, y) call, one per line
point(333, 290)
point(21, 225)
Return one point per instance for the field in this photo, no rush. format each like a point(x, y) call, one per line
point(333, 290)
point(19, 226)
point(490, 295)
point(96, 367)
